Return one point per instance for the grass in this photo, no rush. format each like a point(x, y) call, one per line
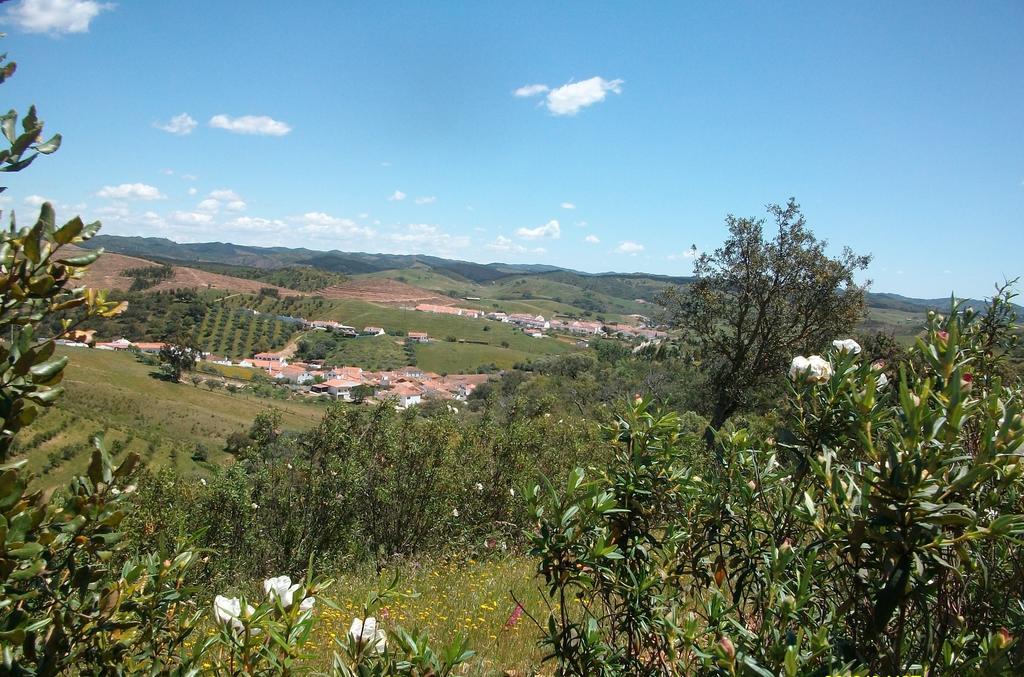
point(523, 294)
point(448, 599)
point(370, 352)
point(114, 394)
point(902, 324)
point(444, 357)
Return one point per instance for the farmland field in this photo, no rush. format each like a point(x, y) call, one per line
point(492, 342)
point(113, 393)
point(233, 332)
point(369, 352)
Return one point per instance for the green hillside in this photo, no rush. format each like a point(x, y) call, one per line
point(114, 394)
point(495, 342)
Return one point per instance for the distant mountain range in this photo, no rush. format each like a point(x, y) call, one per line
point(362, 263)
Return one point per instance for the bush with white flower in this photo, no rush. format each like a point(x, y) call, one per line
point(877, 531)
point(267, 638)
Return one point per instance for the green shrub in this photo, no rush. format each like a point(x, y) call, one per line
point(878, 532)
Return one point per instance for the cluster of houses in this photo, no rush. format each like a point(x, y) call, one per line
point(408, 386)
point(536, 325)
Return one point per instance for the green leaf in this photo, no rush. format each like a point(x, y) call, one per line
point(26, 551)
point(80, 261)
point(50, 146)
point(31, 571)
point(9, 124)
point(69, 231)
point(47, 370)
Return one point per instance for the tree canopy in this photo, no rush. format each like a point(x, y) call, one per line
point(761, 298)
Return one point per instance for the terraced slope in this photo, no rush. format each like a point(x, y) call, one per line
point(381, 290)
point(109, 273)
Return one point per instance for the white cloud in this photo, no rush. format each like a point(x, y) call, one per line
point(55, 16)
point(428, 200)
point(568, 205)
point(571, 98)
point(191, 218)
point(690, 253)
point(131, 191)
point(189, 177)
point(592, 239)
point(424, 238)
point(35, 200)
point(550, 229)
point(167, 172)
point(261, 125)
point(629, 247)
point(397, 196)
point(320, 224)
point(506, 245)
point(227, 198)
point(580, 224)
point(114, 212)
point(530, 90)
point(192, 191)
point(225, 194)
point(256, 224)
point(180, 124)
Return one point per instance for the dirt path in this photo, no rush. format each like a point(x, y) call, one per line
point(289, 350)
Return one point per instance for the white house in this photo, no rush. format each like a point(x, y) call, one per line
point(338, 388)
point(407, 394)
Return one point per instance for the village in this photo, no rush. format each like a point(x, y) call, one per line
point(407, 386)
point(536, 325)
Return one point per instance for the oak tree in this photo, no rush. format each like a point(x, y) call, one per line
point(768, 293)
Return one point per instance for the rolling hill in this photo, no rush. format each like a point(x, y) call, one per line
point(109, 272)
point(408, 279)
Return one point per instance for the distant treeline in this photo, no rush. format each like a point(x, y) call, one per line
point(145, 277)
point(300, 278)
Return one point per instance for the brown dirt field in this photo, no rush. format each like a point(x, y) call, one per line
point(107, 273)
point(382, 290)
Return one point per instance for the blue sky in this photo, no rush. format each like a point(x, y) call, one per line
point(397, 127)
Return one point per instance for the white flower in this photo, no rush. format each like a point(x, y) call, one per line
point(455, 512)
point(815, 368)
point(281, 588)
point(307, 604)
point(883, 380)
point(228, 610)
point(798, 367)
point(255, 506)
point(511, 492)
point(846, 346)
point(365, 632)
point(115, 491)
point(820, 369)
point(479, 486)
point(202, 482)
